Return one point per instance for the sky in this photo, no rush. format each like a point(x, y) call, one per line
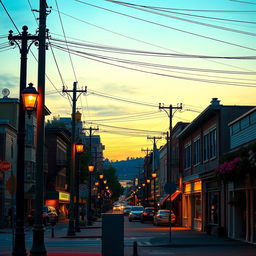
point(124, 53)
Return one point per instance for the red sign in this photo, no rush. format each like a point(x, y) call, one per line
point(5, 165)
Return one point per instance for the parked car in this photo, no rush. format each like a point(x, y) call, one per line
point(136, 213)
point(49, 215)
point(148, 214)
point(127, 210)
point(162, 217)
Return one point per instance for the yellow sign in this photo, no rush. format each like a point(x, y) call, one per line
point(63, 196)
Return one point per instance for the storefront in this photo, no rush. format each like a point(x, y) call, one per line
point(192, 205)
point(59, 200)
point(242, 210)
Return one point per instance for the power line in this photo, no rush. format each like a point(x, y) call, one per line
point(72, 65)
point(138, 40)
point(106, 48)
point(169, 27)
point(190, 21)
point(192, 10)
point(102, 60)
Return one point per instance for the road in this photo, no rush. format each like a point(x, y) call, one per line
point(134, 231)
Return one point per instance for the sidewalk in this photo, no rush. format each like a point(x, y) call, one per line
point(189, 238)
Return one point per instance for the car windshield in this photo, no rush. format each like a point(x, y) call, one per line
point(127, 207)
point(137, 208)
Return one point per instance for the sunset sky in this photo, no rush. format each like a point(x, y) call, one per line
point(122, 52)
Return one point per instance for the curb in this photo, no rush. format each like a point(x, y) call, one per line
point(81, 236)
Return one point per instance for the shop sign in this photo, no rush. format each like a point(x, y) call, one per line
point(63, 196)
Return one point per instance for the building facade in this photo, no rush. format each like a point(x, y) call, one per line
point(241, 193)
point(203, 141)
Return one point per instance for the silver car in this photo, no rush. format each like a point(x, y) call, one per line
point(135, 213)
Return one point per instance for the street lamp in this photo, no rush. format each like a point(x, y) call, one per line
point(105, 181)
point(148, 182)
point(29, 98)
point(90, 169)
point(153, 175)
point(101, 176)
point(79, 149)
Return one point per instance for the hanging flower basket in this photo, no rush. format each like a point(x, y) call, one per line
point(229, 170)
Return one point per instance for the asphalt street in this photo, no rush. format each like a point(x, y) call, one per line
point(151, 240)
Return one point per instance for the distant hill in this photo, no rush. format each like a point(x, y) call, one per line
point(128, 169)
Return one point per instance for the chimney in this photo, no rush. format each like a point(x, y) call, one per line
point(215, 102)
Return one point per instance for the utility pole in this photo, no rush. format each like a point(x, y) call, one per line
point(154, 148)
point(169, 150)
point(154, 164)
point(147, 170)
point(91, 129)
point(71, 226)
point(19, 247)
point(169, 138)
point(38, 246)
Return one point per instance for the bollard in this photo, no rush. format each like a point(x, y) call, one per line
point(135, 248)
point(53, 224)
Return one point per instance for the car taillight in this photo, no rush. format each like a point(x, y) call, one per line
point(44, 215)
point(29, 215)
point(145, 213)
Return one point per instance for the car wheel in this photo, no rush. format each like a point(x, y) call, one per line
point(142, 221)
point(130, 220)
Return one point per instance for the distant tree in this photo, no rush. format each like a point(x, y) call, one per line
point(113, 182)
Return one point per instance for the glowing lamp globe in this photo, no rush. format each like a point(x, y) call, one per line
point(79, 147)
point(90, 168)
point(101, 176)
point(29, 98)
point(153, 175)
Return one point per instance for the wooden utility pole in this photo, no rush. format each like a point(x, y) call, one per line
point(71, 226)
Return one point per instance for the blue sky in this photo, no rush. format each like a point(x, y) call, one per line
point(99, 27)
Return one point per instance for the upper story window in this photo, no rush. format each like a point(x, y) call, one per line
point(243, 123)
point(197, 151)
point(210, 144)
point(187, 154)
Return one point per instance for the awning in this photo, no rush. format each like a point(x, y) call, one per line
point(170, 197)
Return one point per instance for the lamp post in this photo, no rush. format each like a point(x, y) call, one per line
point(148, 182)
point(90, 169)
point(101, 176)
point(153, 175)
point(19, 240)
point(79, 150)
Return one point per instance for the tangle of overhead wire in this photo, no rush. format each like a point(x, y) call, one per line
point(169, 27)
point(140, 41)
point(191, 21)
point(111, 49)
point(169, 10)
point(102, 60)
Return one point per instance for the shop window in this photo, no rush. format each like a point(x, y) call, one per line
point(198, 207)
point(214, 207)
